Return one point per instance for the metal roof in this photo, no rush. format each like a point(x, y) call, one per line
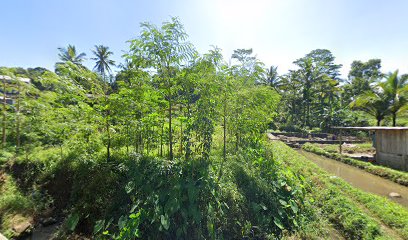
point(372, 128)
point(8, 78)
point(4, 77)
point(26, 80)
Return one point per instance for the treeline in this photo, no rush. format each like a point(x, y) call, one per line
point(166, 100)
point(314, 96)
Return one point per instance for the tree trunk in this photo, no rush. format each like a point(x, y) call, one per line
point(127, 138)
point(237, 141)
point(181, 134)
point(394, 119)
point(4, 114)
point(378, 122)
point(18, 116)
point(308, 115)
point(188, 134)
point(109, 140)
point(224, 153)
point(225, 133)
point(107, 114)
point(170, 132)
point(161, 140)
point(147, 146)
point(61, 153)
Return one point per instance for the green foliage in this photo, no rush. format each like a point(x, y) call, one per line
point(251, 113)
point(184, 198)
point(360, 77)
point(69, 54)
point(390, 213)
point(336, 198)
point(347, 216)
point(12, 200)
point(358, 147)
point(103, 63)
point(375, 103)
point(5, 156)
point(13, 203)
point(72, 221)
point(311, 93)
point(385, 98)
point(220, 179)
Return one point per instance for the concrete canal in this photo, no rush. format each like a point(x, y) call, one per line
point(360, 179)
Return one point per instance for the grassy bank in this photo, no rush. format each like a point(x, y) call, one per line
point(388, 173)
point(389, 213)
point(265, 192)
point(349, 148)
point(135, 196)
point(15, 207)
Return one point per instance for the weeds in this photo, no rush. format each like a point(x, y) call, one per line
point(13, 204)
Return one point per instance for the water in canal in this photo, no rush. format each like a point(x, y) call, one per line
point(359, 178)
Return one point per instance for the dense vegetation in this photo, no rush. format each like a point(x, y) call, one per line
point(172, 145)
point(314, 96)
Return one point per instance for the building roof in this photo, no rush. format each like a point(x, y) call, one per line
point(8, 79)
point(4, 77)
point(26, 80)
point(372, 128)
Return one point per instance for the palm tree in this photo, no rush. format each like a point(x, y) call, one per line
point(103, 63)
point(272, 78)
point(397, 90)
point(376, 102)
point(69, 54)
point(102, 66)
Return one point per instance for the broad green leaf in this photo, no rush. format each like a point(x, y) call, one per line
point(72, 221)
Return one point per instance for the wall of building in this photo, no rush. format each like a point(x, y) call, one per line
point(392, 148)
point(392, 160)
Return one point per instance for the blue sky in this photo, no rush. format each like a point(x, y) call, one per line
point(278, 31)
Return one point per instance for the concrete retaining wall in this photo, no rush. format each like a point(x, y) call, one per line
point(301, 135)
point(395, 161)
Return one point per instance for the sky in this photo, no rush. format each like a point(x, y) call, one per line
point(278, 31)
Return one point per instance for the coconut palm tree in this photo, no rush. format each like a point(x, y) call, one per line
point(397, 90)
point(103, 63)
point(102, 66)
point(272, 78)
point(70, 54)
point(375, 102)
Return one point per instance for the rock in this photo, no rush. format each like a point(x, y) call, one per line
point(22, 228)
point(48, 221)
point(394, 195)
point(2, 237)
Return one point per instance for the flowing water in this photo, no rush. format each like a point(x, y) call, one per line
point(359, 178)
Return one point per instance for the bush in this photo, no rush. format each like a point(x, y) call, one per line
point(254, 197)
